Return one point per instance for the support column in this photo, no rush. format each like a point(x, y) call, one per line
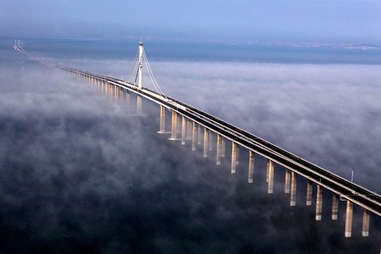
point(189, 130)
point(128, 102)
point(206, 142)
point(335, 207)
point(223, 148)
point(309, 194)
point(162, 119)
point(287, 181)
point(319, 202)
point(174, 126)
point(194, 136)
point(234, 158)
point(237, 156)
point(210, 141)
point(183, 130)
point(293, 189)
point(250, 177)
point(270, 179)
point(218, 160)
point(139, 104)
point(348, 219)
point(199, 135)
point(365, 223)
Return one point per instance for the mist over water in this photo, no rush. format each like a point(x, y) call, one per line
point(82, 172)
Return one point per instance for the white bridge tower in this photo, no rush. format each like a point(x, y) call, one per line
point(140, 66)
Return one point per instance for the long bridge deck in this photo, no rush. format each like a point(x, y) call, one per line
point(348, 190)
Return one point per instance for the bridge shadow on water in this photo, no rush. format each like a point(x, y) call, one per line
point(109, 183)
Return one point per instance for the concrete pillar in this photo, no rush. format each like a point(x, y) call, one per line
point(162, 119)
point(174, 126)
point(199, 135)
point(139, 104)
point(309, 194)
point(293, 189)
point(319, 202)
point(237, 156)
point(128, 101)
point(206, 142)
point(218, 159)
point(189, 130)
point(194, 136)
point(223, 148)
point(365, 223)
point(234, 158)
point(270, 178)
point(183, 130)
point(335, 207)
point(250, 177)
point(348, 219)
point(210, 141)
point(140, 66)
point(287, 181)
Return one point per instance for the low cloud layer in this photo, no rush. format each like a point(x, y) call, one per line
point(328, 114)
point(82, 172)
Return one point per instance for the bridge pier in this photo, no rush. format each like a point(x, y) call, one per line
point(189, 130)
point(223, 148)
point(250, 177)
point(237, 156)
point(218, 159)
point(206, 142)
point(270, 177)
point(183, 130)
point(319, 202)
point(128, 103)
point(139, 104)
point(309, 194)
point(348, 219)
point(199, 135)
point(194, 136)
point(365, 223)
point(162, 119)
point(287, 181)
point(210, 145)
point(234, 158)
point(293, 189)
point(174, 126)
point(335, 207)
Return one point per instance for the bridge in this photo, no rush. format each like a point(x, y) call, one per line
point(190, 123)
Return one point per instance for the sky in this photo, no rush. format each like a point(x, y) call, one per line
point(330, 21)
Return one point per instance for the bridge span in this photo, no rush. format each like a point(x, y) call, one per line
point(188, 119)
